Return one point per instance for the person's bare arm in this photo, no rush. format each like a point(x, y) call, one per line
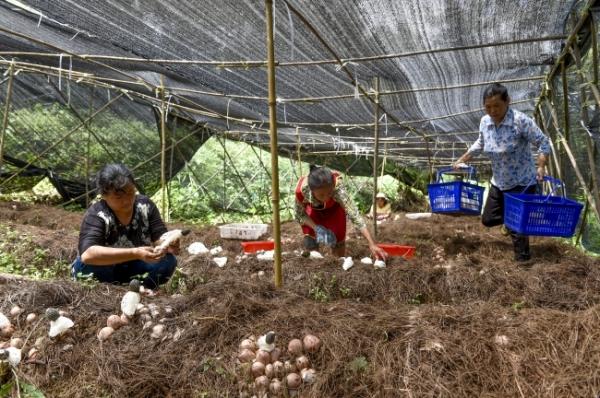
point(101, 255)
point(377, 251)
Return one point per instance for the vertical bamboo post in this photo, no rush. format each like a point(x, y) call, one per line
point(565, 90)
point(11, 76)
point(553, 143)
point(273, 134)
point(163, 152)
point(590, 144)
point(375, 154)
point(578, 173)
point(298, 154)
point(594, 48)
point(87, 151)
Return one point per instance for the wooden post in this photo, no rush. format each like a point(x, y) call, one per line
point(375, 154)
point(163, 145)
point(11, 71)
point(273, 133)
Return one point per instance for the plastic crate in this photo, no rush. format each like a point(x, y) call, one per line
point(541, 215)
point(243, 231)
point(254, 246)
point(398, 250)
point(455, 196)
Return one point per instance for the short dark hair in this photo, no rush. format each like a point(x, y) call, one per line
point(495, 89)
point(319, 177)
point(114, 177)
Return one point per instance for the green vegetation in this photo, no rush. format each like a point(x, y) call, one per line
point(20, 256)
point(359, 364)
point(232, 186)
point(324, 289)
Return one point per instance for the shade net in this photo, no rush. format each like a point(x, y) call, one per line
point(424, 119)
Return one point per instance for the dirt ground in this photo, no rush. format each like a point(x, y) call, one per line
point(460, 319)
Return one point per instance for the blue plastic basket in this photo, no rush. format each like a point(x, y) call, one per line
point(542, 215)
point(456, 197)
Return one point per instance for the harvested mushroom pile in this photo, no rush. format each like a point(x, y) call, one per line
point(148, 315)
point(267, 371)
point(11, 346)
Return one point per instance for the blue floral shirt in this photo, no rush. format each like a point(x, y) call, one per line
point(509, 148)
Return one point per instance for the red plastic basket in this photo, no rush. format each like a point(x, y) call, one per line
point(398, 250)
point(256, 245)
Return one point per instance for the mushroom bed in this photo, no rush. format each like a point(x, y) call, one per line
point(458, 319)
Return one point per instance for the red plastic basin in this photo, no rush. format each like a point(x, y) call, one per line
point(398, 250)
point(256, 245)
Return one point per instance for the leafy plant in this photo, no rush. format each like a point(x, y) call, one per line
point(518, 305)
point(417, 300)
point(359, 364)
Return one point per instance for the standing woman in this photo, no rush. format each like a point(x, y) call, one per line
point(322, 205)
point(118, 232)
point(505, 136)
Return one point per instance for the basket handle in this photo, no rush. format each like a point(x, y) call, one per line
point(555, 183)
point(470, 170)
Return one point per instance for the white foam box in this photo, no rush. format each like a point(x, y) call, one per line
point(243, 231)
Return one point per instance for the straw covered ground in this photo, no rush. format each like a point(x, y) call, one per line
point(460, 319)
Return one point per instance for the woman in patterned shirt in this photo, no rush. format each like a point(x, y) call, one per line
point(505, 136)
point(322, 205)
point(117, 234)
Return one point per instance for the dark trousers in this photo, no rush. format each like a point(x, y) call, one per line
point(493, 214)
point(155, 273)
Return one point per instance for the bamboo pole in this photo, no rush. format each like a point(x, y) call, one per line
point(245, 64)
point(422, 52)
point(93, 77)
point(590, 144)
point(274, 153)
point(11, 77)
point(582, 181)
point(87, 150)
point(565, 90)
point(375, 154)
point(163, 144)
point(593, 33)
point(554, 156)
point(298, 151)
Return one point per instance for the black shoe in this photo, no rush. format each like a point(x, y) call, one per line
point(522, 258)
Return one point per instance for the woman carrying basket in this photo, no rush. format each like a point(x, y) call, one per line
point(505, 136)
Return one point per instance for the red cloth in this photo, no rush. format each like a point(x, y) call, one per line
point(332, 215)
